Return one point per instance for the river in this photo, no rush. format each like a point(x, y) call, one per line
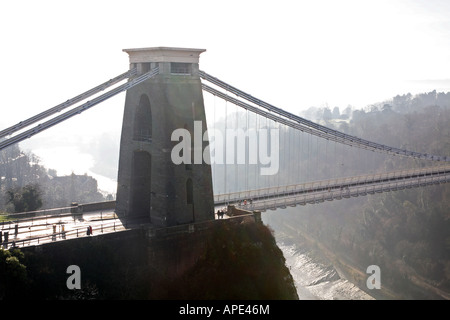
point(314, 278)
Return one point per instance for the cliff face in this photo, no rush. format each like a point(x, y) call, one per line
point(238, 261)
point(228, 260)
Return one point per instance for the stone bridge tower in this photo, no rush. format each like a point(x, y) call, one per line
point(150, 185)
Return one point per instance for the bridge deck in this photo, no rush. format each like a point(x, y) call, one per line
point(336, 189)
point(45, 229)
point(61, 225)
point(28, 231)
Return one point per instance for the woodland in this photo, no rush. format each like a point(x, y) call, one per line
point(406, 233)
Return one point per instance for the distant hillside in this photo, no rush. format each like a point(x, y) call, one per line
point(406, 233)
point(19, 169)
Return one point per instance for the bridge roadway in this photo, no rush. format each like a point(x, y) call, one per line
point(53, 227)
point(61, 224)
point(335, 189)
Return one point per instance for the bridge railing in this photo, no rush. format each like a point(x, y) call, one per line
point(74, 209)
point(111, 225)
point(247, 216)
point(285, 200)
point(38, 214)
point(362, 184)
point(115, 225)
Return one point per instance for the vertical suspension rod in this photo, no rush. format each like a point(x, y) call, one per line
point(343, 137)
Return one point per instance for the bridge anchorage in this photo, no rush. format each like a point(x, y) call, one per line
point(165, 92)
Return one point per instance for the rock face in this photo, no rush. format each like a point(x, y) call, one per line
point(238, 260)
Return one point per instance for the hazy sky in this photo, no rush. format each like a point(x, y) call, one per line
point(293, 54)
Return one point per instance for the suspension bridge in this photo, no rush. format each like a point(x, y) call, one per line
point(166, 90)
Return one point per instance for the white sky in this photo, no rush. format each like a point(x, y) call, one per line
point(293, 54)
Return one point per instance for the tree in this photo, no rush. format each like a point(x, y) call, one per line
point(327, 115)
point(386, 107)
point(13, 274)
point(336, 113)
point(25, 199)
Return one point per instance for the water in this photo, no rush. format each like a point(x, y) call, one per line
point(314, 276)
point(315, 280)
